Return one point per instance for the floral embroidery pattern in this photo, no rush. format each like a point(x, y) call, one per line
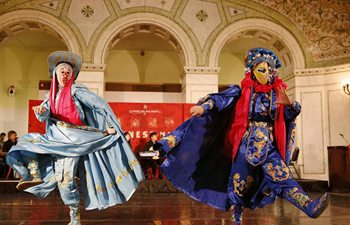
point(99, 188)
point(67, 178)
point(36, 140)
point(241, 186)
point(210, 103)
point(299, 196)
point(258, 143)
point(118, 178)
point(278, 172)
point(126, 173)
point(171, 140)
point(33, 167)
point(68, 125)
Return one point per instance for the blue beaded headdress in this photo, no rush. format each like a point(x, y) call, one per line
point(257, 55)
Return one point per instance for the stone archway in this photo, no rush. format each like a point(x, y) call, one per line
point(178, 38)
point(24, 69)
point(291, 51)
point(13, 22)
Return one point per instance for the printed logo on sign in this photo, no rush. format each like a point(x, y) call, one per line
point(143, 111)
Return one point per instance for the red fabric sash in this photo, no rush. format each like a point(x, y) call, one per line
point(265, 88)
point(66, 110)
point(240, 121)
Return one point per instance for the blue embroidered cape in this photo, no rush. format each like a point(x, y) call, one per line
point(197, 161)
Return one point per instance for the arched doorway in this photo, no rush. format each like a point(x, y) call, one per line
point(177, 36)
point(144, 53)
point(170, 40)
point(24, 48)
point(16, 21)
point(233, 42)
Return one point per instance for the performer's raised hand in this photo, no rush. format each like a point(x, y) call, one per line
point(39, 109)
point(111, 130)
point(283, 97)
point(197, 110)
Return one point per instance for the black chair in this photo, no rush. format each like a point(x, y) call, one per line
point(294, 159)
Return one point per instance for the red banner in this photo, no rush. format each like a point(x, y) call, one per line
point(139, 119)
point(34, 125)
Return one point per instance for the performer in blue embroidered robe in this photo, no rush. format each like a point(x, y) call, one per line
point(235, 150)
point(84, 138)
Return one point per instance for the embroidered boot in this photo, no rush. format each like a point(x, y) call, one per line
point(32, 179)
point(312, 208)
point(317, 206)
point(74, 214)
point(237, 215)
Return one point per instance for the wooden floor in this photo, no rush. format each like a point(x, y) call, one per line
point(162, 209)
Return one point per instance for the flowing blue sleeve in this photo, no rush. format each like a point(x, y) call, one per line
point(45, 115)
point(217, 101)
point(292, 111)
point(221, 100)
point(101, 115)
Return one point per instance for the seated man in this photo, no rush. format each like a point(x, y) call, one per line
point(152, 162)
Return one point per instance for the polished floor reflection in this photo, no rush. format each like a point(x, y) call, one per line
point(162, 209)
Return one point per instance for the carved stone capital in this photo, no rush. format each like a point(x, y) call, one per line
point(93, 67)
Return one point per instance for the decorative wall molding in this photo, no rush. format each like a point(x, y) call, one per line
point(235, 11)
point(161, 4)
point(51, 5)
point(203, 70)
point(88, 16)
point(312, 139)
point(325, 24)
point(93, 67)
point(202, 17)
point(322, 71)
point(321, 28)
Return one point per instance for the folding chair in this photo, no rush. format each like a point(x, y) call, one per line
point(294, 160)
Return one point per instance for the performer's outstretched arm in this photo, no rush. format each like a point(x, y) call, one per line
point(42, 111)
point(217, 101)
point(212, 102)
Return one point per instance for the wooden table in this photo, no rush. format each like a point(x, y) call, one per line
point(339, 168)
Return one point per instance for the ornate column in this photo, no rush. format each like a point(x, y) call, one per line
point(198, 82)
point(92, 76)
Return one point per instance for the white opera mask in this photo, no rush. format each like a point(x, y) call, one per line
point(64, 73)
